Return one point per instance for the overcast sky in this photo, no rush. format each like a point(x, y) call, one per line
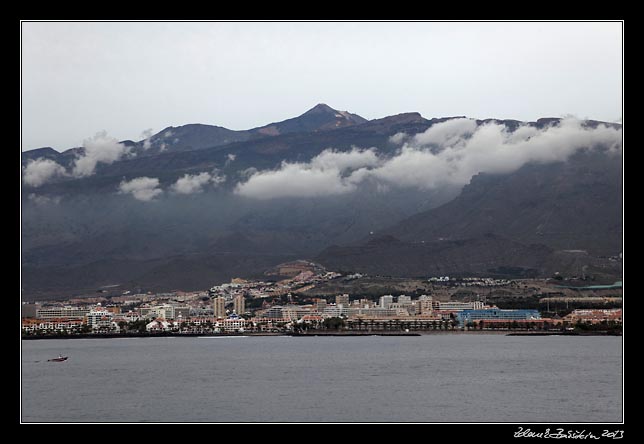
point(127, 77)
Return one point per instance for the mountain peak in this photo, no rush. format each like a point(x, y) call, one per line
point(320, 108)
point(320, 117)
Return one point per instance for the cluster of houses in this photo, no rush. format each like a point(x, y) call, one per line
point(403, 312)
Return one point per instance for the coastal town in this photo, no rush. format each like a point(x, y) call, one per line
point(289, 302)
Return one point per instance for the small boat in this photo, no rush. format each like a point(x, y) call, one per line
point(60, 358)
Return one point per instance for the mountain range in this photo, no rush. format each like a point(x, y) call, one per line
point(191, 206)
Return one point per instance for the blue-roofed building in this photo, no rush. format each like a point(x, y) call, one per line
point(465, 316)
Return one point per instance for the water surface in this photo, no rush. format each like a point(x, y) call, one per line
point(429, 378)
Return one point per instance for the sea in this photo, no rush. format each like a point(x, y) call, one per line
point(433, 378)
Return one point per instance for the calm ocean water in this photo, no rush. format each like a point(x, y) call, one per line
point(431, 378)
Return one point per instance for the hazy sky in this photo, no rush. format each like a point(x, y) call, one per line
point(80, 78)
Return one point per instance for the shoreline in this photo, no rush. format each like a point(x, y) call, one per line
point(330, 334)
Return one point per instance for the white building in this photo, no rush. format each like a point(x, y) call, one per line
point(233, 324)
point(404, 300)
point(99, 318)
point(61, 324)
point(386, 301)
point(424, 305)
point(159, 325)
point(335, 311)
point(454, 305)
point(61, 312)
point(164, 311)
point(181, 311)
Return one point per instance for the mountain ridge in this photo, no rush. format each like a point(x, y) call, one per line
point(200, 135)
point(86, 230)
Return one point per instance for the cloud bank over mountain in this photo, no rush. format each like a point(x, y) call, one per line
point(100, 148)
point(324, 175)
point(447, 154)
point(231, 203)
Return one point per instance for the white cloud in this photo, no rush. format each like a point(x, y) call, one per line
point(294, 180)
point(446, 133)
point(342, 160)
point(39, 171)
point(248, 172)
point(100, 148)
point(490, 149)
point(323, 176)
point(147, 136)
point(447, 154)
point(195, 183)
point(142, 188)
point(189, 184)
point(398, 138)
point(410, 168)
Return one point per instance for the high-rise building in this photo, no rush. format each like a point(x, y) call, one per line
point(386, 301)
point(219, 307)
point(29, 310)
point(98, 317)
point(320, 305)
point(424, 306)
point(342, 299)
point(239, 304)
point(404, 299)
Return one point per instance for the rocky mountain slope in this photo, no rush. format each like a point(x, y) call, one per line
point(534, 222)
point(80, 233)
